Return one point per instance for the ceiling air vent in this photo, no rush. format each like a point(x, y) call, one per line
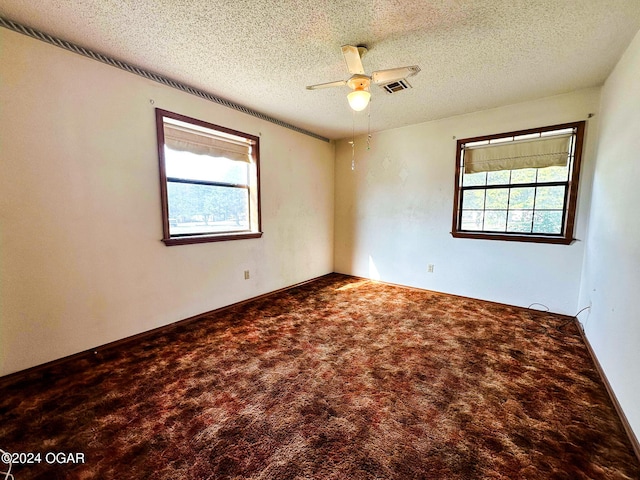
point(397, 86)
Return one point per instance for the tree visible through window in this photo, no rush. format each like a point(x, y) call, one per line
point(519, 185)
point(209, 181)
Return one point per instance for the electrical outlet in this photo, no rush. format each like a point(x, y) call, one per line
point(246, 274)
point(430, 268)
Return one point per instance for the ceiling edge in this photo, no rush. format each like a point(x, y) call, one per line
point(19, 28)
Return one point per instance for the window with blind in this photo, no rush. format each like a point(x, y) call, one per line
point(519, 186)
point(209, 181)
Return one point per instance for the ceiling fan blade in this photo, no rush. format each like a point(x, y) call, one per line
point(339, 83)
point(394, 74)
point(352, 57)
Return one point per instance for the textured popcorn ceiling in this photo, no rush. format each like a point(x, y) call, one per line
point(473, 54)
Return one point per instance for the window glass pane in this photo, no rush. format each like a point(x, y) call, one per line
point(553, 174)
point(497, 199)
point(474, 179)
point(551, 198)
point(191, 166)
point(471, 220)
point(520, 221)
point(547, 222)
point(495, 220)
point(473, 199)
point(524, 175)
point(521, 198)
point(500, 177)
point(195, 209)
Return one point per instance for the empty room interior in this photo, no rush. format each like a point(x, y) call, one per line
point(320, 240)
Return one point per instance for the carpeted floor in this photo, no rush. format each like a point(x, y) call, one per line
point(341, 378)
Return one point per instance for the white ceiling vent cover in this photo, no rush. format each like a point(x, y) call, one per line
point(397, 86)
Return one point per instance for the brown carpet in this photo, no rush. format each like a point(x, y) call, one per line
point(340, 378)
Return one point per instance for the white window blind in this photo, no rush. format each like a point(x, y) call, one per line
point(536, 153)
point(187, 140)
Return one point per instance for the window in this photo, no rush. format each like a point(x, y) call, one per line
point(209, 181)
point(519, 186)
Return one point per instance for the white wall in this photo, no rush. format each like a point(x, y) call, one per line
point(81, 261)
point(611, 279)
point(393, 213)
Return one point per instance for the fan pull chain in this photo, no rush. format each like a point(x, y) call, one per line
point(353, 140)
point(369, 127)
point(353, 155)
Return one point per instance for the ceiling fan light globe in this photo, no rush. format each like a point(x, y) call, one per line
point(359, 99)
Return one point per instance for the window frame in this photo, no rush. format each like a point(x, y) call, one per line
point(571, 193)
point(254, 205)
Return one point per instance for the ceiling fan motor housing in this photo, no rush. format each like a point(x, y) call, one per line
point(359, 82)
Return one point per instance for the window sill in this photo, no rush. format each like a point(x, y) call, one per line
point(552, 239)
point(188, 240)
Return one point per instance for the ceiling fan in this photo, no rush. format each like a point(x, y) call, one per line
point(359, 82)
